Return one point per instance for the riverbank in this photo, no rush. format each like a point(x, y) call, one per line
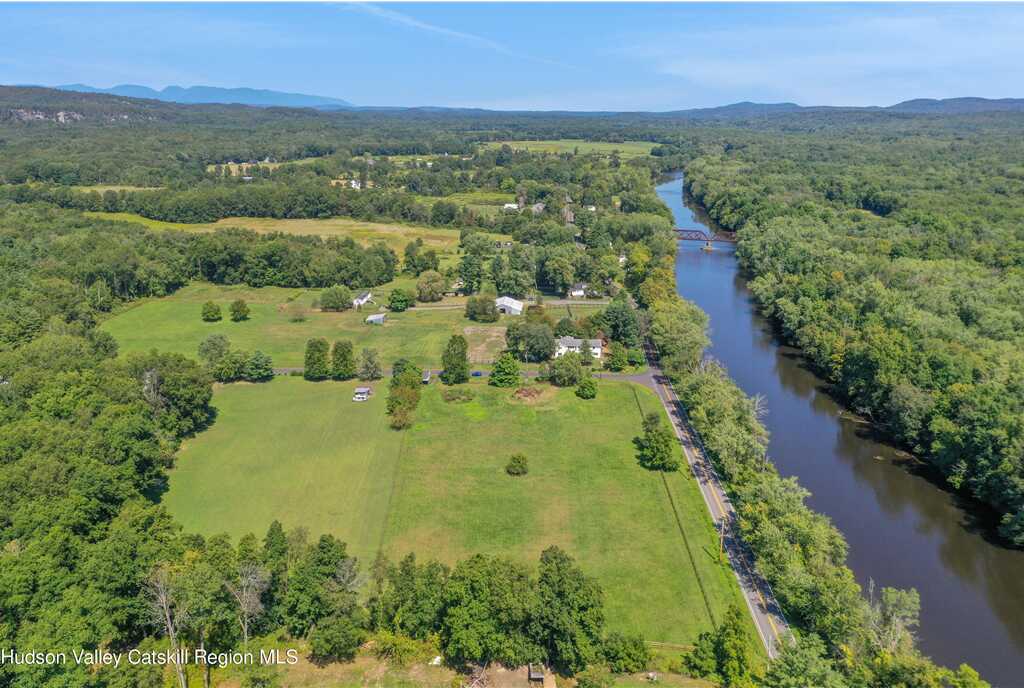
point(902, 530)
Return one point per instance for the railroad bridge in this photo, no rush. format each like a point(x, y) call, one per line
point(701, 235)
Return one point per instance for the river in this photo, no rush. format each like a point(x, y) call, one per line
point(903, 530)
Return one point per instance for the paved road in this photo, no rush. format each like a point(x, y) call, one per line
point(765, 610)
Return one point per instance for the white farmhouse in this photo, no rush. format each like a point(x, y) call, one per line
point(363, 298)
point(508, 305)
point(572, 345)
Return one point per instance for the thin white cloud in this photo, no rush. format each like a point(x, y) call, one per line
point(472, 39)
point(840, 58)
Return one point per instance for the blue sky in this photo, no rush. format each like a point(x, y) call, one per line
point(572, 56)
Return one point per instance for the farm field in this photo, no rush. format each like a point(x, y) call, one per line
point(626, 149)
point(484, 203)
point(173, 323)
point(303, 453)
point(395, 235)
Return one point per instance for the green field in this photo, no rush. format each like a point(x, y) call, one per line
point(626, 149)
point(174, 324)
point(394, 235)
point(484, 203)
point(305, 454)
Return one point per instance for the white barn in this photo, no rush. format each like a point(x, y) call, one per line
point(508, 305)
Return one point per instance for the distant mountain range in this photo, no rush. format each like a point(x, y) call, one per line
point(212, 94)
point(743, 110)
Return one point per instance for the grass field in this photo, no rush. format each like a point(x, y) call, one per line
point(484, 203)
point(394, 235)
point(304, 454)
point(626, 149)
point(173, 324)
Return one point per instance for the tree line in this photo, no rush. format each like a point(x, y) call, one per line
point(898, 272)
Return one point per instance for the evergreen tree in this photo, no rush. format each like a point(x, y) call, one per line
point(455, 361)
point(259, 367)
point(343, 361)
point(317, 366)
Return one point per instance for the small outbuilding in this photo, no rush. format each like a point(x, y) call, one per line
point(362, 394)
point(426, 377)
point(376, 319)
point(509, 306)
point(578, 290)
point(362, 299)
point(535, 672)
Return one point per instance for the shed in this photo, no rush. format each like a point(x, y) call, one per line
point(508, 305)
point(376, 319)
point(426, 377)
point(535, 672)
point(362, 394)
point(579, 289)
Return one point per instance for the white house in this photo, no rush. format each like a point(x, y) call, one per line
point(508, 305)
point(510, 206)
point(363, 298)
point(375, 319)
point(566, 345)
point(362, 394)
point(578, 290)
point(355, 184)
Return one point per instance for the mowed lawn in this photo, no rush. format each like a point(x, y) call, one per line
point(395, 235)
point(173, 324)
point(304, 454)
point(626, 149)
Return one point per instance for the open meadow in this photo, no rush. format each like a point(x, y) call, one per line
point(174, 324)
point(305, 454)
point(395, 235)
point(626, 149)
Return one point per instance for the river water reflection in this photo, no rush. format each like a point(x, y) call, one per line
point(904, 531)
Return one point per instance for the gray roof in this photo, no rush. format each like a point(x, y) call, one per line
point(364, 390)
point(363, 294)
point(573, 341)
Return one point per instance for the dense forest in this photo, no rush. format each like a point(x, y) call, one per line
point(897, 266)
